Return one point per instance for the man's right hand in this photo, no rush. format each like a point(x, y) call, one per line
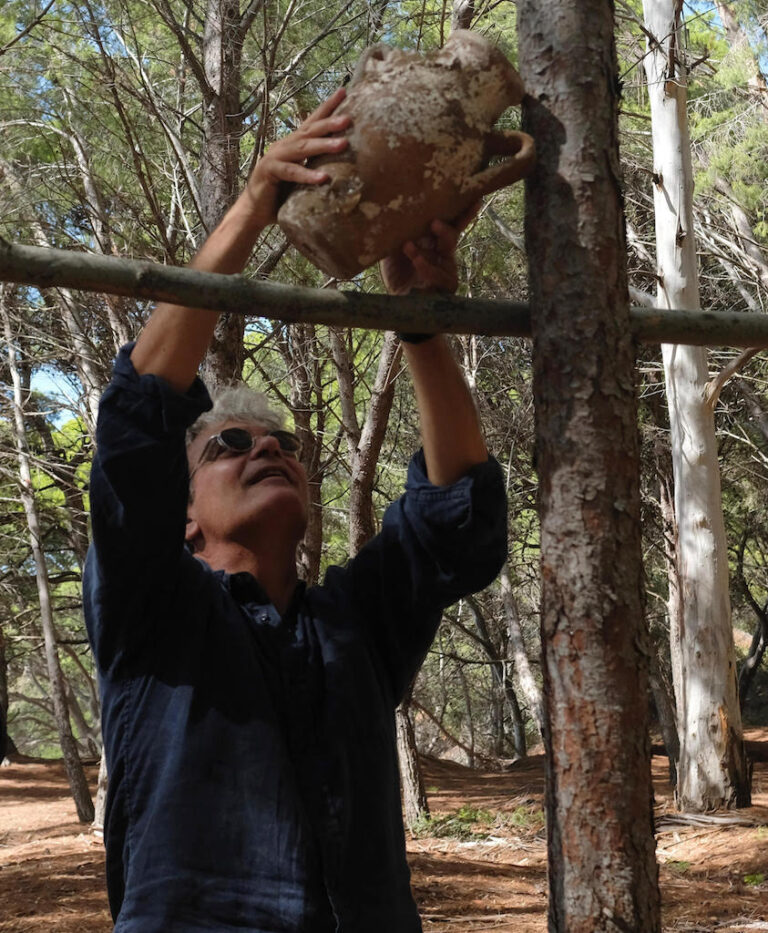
point(283, 160)
point(175, 339)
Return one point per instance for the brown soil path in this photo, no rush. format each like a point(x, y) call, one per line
point(487, 874)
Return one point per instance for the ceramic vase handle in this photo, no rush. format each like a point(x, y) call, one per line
point(521, 150)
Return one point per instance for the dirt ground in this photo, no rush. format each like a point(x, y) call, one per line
point(480, 864)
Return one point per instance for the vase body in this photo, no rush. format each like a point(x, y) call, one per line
point(419, 144)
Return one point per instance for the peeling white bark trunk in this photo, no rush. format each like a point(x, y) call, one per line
point(523, 668)
point(74, 768)
point(712, 771)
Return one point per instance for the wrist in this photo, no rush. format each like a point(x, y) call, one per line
point(257, 202)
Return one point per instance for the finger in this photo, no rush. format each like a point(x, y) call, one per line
point(433, 276)
point(326, 126)
point(304, 147)
point(446, 236)
point(298, 174)
point(297, 149)
point(328, 106)
point(459, 224)
point(411, 250)
point(426, 267)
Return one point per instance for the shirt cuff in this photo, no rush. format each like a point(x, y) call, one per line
point(417, 480)
point(153, 398)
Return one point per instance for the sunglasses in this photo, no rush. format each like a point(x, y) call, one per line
point(232, 442)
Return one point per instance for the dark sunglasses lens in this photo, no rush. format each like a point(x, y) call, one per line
point(236, 439)
point(287, 441)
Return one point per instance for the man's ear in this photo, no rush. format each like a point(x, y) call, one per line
point(192, 536)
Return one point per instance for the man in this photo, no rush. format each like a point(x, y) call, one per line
point(248, 720)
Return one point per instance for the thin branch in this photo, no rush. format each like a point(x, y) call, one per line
point(716, 385)
point(195, 66)
point(26, 30)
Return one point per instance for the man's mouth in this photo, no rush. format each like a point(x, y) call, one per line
point(267, 474)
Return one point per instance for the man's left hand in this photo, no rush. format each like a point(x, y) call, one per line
point(428, 264)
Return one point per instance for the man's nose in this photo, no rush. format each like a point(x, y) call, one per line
point(266, 445)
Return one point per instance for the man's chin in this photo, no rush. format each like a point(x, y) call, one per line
point(281, 501)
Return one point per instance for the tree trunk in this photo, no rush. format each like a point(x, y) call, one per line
point(712, 771)
point(101, 797)
point(665, 708)
point(7, 745)
point(745, 233)
point(665, 704)
point(74, 767)
point(415, 804)
point(364, 444)
point(602, 871)
point(220, 163)
point(301, 354)
point(738, 40)
point(462, 14)
point(501, 680)
point(754, 658)
point(522, 665)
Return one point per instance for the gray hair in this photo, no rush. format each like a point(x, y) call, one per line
point(237, 403)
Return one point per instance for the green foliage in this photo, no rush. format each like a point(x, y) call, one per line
point(472, 824)
point(529, 817)
point(755, 880)
point(465, 825)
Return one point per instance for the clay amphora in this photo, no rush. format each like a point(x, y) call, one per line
point(419, 148)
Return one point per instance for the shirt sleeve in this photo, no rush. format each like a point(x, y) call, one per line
point(138, 501)
point(437, 545)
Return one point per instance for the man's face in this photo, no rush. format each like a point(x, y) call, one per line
point(237, 495)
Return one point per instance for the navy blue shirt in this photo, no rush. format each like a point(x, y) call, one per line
point(253, 779)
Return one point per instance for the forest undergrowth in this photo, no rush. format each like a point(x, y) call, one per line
point(478, 864)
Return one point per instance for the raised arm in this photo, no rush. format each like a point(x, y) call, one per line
point(450, 429)
point(175, 340)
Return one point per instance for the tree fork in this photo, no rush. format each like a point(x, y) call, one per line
point(54, 268)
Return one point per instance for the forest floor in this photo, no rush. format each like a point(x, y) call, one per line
point(478, 865)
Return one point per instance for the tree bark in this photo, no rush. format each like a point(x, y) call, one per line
point(74, 768)
point(712, 770)
point(602, 871)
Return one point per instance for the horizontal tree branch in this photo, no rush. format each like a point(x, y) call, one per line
point(51, 268)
